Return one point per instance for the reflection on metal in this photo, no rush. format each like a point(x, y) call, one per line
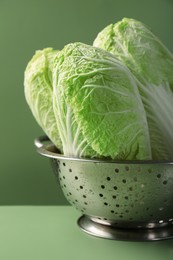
point(115, 233)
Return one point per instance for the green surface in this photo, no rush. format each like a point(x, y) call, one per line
point(26, 178)
point(51, 232)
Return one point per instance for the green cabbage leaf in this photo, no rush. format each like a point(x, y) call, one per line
point(96, 91)
point(39, 92)
point(112, 100)
point(152, 64)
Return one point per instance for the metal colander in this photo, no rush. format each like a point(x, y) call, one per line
point(118, 200)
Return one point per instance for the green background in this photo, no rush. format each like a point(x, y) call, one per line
point(26, 178)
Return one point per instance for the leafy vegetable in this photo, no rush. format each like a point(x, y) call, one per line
point(152, 64)
point(105, 100)
point(73, 141)
point(111, 100)
point(38, 92)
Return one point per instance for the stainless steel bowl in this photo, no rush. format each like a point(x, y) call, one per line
point(125, 200)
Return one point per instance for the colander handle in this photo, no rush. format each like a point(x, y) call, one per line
point(39, 141)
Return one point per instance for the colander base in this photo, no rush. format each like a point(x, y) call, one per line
point(114, 233)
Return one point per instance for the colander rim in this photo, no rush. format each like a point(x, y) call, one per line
point(49, 150)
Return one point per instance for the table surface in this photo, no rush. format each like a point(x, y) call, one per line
point(51, 233)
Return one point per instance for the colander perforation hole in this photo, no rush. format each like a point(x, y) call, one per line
point(114, 196)
point(84, 196)
point(115, 187)
point(124, 181)
point(105, 203)
point(76, 178)
point(135, 179)
point(126, 197)
point(81, 187)
point(64, 164)
point(165, 182)
point(117, 170)
point(101, 195)
point(70, 170)
point(103, 186)
point(108, 178)
point(127, 168)
point(68, 195)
